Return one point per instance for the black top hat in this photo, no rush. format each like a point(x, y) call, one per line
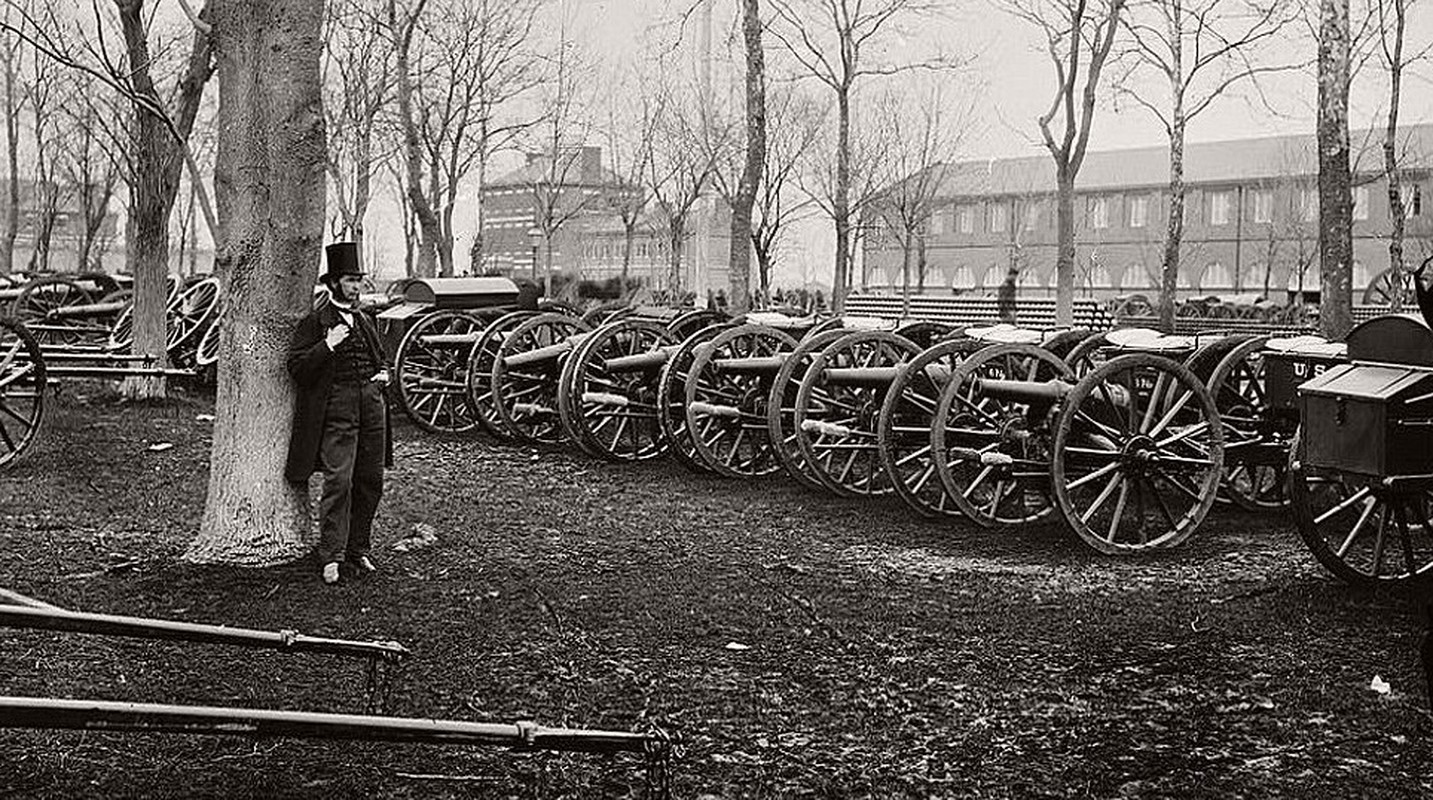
point(342, 258)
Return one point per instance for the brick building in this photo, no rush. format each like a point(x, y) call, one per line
point(590, 245)
point(1251, 220)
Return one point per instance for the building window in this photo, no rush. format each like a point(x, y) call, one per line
point(1219, 204)
point(1032, 215)
point(1216, 276)
point(997, 217)
point(994, 276)
point(937, 222)
point(964, 278)
point(965, 219)
point(1360, 202)
point(1139, 211)
point(1097, 210)
point(1263, 205)
point(1309, 204)
point(1412, 199)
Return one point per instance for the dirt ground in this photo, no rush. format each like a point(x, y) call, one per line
point(795, 645)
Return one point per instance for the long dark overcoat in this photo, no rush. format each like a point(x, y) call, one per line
point(311, 364)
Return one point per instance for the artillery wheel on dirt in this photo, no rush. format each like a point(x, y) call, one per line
point(607, 393)
point(40, 302)
point(1256, 441)
point(22, 391)
point(480, 369)
point(994, 451)
point(1138, 455)
point(727, 391)
point(432, 371)
point(671, 397)
point(191, 313)
point(524, 388)
point(838, 410)
point(781, 406)
point(1361, 531)
point(904, 430)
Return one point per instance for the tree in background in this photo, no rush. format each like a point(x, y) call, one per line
point(739, 268)
point(840, 42)
point(627, 134)
point(402, 27)
point(89, 164)
point(793, 126)
point(1395, 56)
point(556, 185)
point(1079, 36)
point(269, 173)
point(10, 63)
point(925, 140)
point(358, 85)
point(1335, 198)
point(685, 145)
point(1199, 51)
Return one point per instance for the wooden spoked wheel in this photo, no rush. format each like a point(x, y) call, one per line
point(600, 315)
point(993, 451)
point(781, 405)
point(481, 358)
point(607, 393)
point(43, 304)
point(524, 388)
point(432, 371)
point(727, 392)
point(904, 429)
point(1386, 285)
point(671, 397)
point(1087, 354)
point(1358, 529)
point(1138, 456)
point(838, 410)
point(689, 322)
point(191, 313)
point(1256, 437)
point(22, 391)
point(1064, 342)
point(925, 333)
point(206, 352)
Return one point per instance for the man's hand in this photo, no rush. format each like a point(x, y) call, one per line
point(336, 335)
point(381, 378)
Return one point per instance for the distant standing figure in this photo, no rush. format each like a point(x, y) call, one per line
point(341, 423)
point(1005, 296)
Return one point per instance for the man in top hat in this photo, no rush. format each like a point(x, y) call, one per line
point(340, 422)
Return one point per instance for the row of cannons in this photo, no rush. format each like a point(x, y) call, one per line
point(1129, 436)
point(85, 322)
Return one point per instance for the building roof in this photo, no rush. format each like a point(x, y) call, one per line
point(1233, 161)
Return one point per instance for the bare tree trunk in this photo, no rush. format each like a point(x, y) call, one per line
point(676, 232)
point(475, 253)
point(270, 172)
point(841, 205)
point(1396, 210)
point(739, 268)
point(1174, 233)
point(427, 255)
point(908, 252)
point(158, 161)
point(1335, 201)
point(12, 151)
point(629, 233)
point(1064, 248)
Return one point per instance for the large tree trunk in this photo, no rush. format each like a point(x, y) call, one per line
point(1064, 247)
point(270, 176)
point(841, 204)
point(158, 161)
point(676, 233)
point(739, 267)
point(1335, 200)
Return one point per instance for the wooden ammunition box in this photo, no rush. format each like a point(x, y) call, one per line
point(1369, 419)
point(1284, 371)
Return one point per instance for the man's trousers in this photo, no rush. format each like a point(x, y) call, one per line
point(351, 458)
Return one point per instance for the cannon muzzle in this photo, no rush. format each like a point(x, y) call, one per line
point(1027, 392)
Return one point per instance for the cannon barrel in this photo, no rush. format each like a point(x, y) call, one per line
point(641, 362)
point(454, 341)
point(550, 352)
point(751, 365)
point(861, 376)
point(103, 715)
point(1028, 392)
point(88, 310)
